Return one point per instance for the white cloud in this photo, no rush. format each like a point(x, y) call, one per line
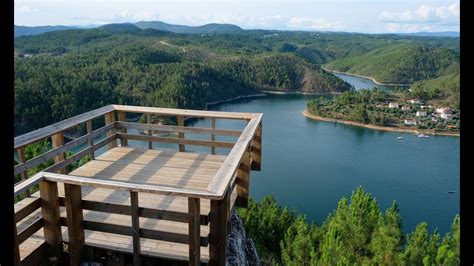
point(22, 8)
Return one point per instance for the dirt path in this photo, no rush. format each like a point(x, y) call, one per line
point(183, 49)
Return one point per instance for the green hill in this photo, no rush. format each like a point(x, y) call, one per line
point(401, 63)
point(204, 29)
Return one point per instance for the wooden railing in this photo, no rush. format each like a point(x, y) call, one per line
point(232, 176)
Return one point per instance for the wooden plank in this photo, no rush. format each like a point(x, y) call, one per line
point(30, 230)
point(218, 230)
point(52, 153)
point(122, 117)
point(207, 143)
point(168, 128)
point(58, 141)
point(16, 247)
point(50, 212)
point(256, 155)
point(25, 185)
point(181, 134)
point(75, 225)
point(213, 136)
point(220, 183)
point(150, 132)
point(144, 212)
point(194, 212)
point(243, 175)
point(47, 131)
point(35, 257)
point(184, 112)
point(89, 138)
point(135, 227)
point(27, 210)
point(21, 159)
point(109, 119)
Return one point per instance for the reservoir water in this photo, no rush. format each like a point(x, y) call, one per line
point(310, 165)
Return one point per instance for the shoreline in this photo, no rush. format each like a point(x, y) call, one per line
point(235, 98)
point(300, 92)
point(367, 77)
point(382, 128)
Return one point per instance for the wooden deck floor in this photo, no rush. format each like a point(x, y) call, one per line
point(143, 166)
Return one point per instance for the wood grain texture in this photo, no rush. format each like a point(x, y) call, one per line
point(75, 225)
point(135, 214)
point(194, 211)
point(50, 213)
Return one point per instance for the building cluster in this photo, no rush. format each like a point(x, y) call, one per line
point(424, 112)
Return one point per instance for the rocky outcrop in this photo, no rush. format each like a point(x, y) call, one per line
point(240, 249)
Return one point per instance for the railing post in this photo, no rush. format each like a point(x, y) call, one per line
point(148, 121)
point(213, 137)
point(243, 181)
point(89, 139)
point(181, 134)
point(24, 175)
point(122, 117)
point(58, 141)
point(16, 245)
point(218, 230)
point(50, 212)
point(257, 149)
point(135, 227)
point(75, 225)
point(110, 118)
point(194, 222)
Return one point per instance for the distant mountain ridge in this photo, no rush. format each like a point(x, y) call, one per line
point(204, 29)
point(27, 30)
point(453, 34)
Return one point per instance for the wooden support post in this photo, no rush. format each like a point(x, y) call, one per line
point(110, 118)
point(24, 175)
point(135, 227)
point(148, 120)
point(218, 230)
point(58, 141)
point(243, 181)
point(75, 225)
point(194, 222)
point(181, 134)
point(213, 137)
point(122, 117)
point(50, 212)
point(257, 150)
point(89, 139)
point(16, 246)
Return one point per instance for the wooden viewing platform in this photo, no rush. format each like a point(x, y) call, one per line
point(153, 202)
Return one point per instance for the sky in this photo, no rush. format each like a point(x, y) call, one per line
point(367, 16)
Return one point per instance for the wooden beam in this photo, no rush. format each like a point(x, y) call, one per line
point(181, 134)
point(256, 154)
point(243, 180)
point(89, 138)
point(150, 133)
point(110, 118)
point(218, 230)
point(177, 129)
point(30, 230)
point(134, 209)
point(194, 225)
point(213, 137)
point(58, 141)
point(21, 157)
point(27, 210)
point(35, 257)
point(75, 225)
point(50, 212)
point(180, 141)
point(16, 247)
point(122, 117)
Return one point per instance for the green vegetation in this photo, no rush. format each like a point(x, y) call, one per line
point(356, 233)
point(445, 89)
point(400, 63)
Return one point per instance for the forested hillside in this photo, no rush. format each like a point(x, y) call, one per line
point(63, 73)
point(400, 63)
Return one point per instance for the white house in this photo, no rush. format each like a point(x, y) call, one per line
point(446, 116)
point(420, 113)
point(393, 105)
point(410, 122)
point(434, 119)
point(415, 101)
point(406, 108)
point(444, 110)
